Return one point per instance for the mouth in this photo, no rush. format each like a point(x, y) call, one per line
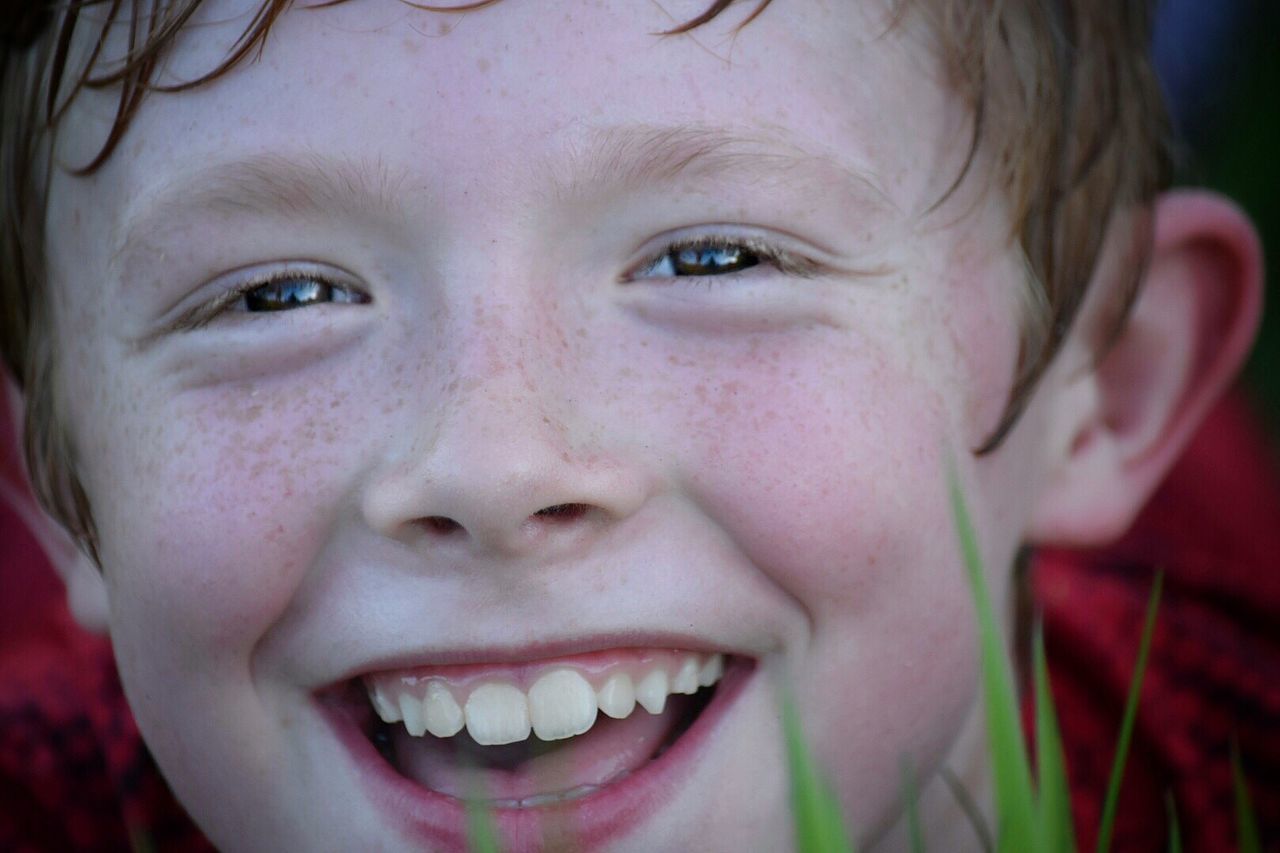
point(567, 750)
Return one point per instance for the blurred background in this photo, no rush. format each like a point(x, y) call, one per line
point(1220, 63)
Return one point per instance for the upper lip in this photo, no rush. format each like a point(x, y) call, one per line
point(547, 650)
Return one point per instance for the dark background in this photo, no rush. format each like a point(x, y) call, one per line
point(1220, 62)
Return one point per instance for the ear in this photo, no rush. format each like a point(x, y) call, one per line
point(1128, 417)
point(86, 588)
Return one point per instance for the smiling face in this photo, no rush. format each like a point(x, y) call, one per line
point(602, 352)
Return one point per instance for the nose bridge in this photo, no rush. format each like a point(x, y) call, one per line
point(500, 459)
point(506, 381)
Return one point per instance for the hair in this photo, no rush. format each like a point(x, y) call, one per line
point(1065, 108)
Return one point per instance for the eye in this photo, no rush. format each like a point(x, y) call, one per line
point(719, 255)
point(296, 291)
point(281, 290)
point(702, 260)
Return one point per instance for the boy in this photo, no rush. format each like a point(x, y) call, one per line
point(505, 402)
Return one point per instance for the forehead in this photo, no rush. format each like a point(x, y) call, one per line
point(517, 95)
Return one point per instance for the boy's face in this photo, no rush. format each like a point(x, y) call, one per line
point(476, 214)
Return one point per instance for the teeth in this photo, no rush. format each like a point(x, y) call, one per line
point(686, 680)
point(497, 714)
point(711, 671)
point(389, 712)
point(546, 799)
point(411, 712)
point(652, 691)
point(618, 696)
point(561, 704)
point(443, 716)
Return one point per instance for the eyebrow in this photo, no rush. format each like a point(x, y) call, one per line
point(638, 155)
point(310, 184)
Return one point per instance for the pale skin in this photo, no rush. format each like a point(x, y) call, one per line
point(758, 457)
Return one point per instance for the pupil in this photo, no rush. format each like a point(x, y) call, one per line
point(285, 294)
point(713, 260)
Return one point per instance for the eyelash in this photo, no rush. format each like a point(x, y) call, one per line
point(764, 252)
point(202, 315)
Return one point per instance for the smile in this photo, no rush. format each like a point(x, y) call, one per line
point(576, 748)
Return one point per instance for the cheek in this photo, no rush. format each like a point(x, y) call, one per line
point(828, 469)
point(828, 466)
point(211, 505)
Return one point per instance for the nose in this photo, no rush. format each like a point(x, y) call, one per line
point(503, 464)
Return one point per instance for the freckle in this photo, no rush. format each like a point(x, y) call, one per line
point(482, 65)
point(444, 28)
point(250, 414)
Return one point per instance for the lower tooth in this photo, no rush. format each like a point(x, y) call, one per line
point(562, 797)
point(616, 777)
point(544, 799)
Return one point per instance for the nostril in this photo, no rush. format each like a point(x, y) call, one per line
point(440, 524)
point(562, 512)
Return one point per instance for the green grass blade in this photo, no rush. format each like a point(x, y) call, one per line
point(1058, 833)
point(1010, 768)
point(481, 835)
point(1247, 837)
point(912, 798)
point(1175, 833)
point(1107, 827)
point(818, 824)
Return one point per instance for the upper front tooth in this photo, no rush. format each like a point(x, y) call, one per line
point(561, 704)
point(442, 715)
point(711, 670)
point(652, 691)
point(686, 680)
point(497, 714)
point(617, 697)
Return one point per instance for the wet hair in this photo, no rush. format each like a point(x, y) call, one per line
point(1066, 113)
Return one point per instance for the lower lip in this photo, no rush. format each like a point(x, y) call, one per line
point(440, 821)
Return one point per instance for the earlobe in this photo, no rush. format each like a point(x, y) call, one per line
point(1132, 414)
point(86, 593)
